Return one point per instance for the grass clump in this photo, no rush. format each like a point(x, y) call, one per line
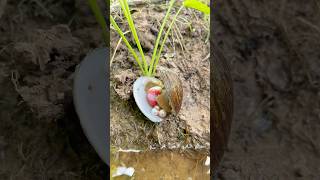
point(146, 69)
point(150, 69)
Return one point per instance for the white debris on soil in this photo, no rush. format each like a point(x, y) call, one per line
point(129, 150)
point(198, 146)
point(207, 163)
point(124, 171)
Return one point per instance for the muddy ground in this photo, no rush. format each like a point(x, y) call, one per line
point(273, 49)
point(181, 55)
point(41, 43)
point(168, 142)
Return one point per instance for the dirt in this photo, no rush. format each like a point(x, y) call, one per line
point(40, 135)
point(130, 129)
point(190, 128)
point(273, 49)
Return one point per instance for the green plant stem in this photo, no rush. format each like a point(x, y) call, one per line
point(114, 24)
point(158, 38)
point(101, 20)
point(126, 10)
point(164, 41)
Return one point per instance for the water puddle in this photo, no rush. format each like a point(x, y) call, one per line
point(163, 165)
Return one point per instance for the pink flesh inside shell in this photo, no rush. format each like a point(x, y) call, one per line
point(152, 99)
point(152, 95)
point(140, 97)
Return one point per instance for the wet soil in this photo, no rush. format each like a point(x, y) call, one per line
point(41, 43)
point(165, 165)
point(182, 55)
point(186, 54)
point(273, 48)
point(130, 129)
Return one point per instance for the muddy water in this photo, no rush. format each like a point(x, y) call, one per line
point(163, 165)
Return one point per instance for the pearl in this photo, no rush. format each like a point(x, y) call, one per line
point(154, 111)
point(162, 113)
point(157, 108)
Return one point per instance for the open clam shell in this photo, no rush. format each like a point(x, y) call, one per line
point(170, 99)
point(90, 100)
point(140, 95)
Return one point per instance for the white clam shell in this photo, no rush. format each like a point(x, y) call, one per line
point(140, 96)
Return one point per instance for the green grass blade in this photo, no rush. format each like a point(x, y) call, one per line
point(164, 40)
point(114, 24)
point(126, 10)
point(197, 5)
point(158, 38)
point(101, 20)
